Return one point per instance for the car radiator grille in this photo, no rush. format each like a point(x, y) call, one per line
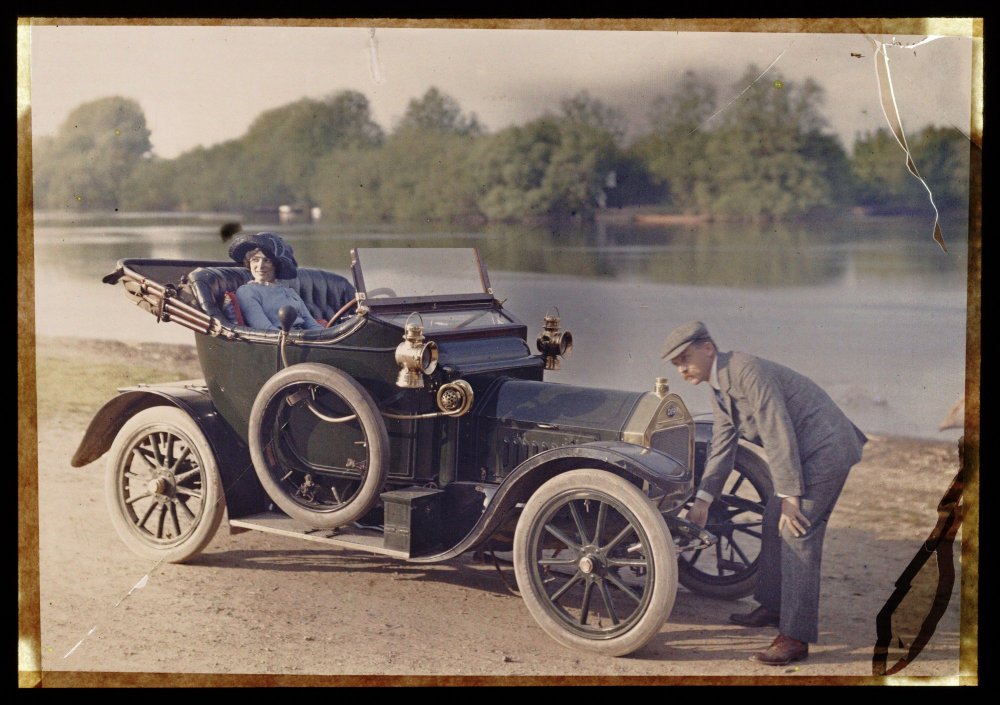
point(675, 442)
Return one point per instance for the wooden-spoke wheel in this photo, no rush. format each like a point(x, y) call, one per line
point(162, 485)
point(595, 563)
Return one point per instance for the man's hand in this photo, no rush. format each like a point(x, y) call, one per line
point(791, 518)
point(698, 513)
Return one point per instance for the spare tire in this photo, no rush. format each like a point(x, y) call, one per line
point(319, 445)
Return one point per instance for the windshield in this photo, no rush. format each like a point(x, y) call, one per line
point(405, 272)
point(434, 321)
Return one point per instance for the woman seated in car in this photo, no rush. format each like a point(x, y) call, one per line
point(269, 258)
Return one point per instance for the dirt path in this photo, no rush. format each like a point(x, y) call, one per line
point(254, 603)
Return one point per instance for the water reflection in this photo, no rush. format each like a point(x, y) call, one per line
point(743, 255)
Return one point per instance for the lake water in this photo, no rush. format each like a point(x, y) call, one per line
point(871, 309)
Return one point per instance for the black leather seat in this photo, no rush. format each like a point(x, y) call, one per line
point(324, 293)
point(210, 285)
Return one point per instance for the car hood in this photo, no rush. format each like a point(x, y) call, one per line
point(560, 405)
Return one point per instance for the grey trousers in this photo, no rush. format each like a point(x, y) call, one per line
point(790, 565)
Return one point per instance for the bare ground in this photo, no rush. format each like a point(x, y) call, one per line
point(259, 606)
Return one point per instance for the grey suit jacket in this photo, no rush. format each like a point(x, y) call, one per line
point(806, 437)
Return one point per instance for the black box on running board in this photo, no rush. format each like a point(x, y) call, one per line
point(412, 519)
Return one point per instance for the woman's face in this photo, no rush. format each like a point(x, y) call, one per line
point(262, 268)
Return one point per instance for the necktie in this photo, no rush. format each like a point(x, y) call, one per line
point(718, 397)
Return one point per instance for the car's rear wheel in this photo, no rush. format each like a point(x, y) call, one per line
point(729, 569)
point(162, 485)
point(319, 445)
point(595, 562)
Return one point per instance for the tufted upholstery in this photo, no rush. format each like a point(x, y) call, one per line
point(210, 284)
point(324, 292)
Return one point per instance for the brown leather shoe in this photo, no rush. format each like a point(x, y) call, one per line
point(784, 649)
point(760, 617)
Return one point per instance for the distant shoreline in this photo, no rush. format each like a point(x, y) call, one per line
point(637, 216)
point(654, 216)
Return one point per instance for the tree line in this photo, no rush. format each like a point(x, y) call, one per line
point(766, 155)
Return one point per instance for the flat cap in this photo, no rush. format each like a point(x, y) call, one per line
point(682, 336)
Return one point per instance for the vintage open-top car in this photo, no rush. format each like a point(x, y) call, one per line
point(417, 425)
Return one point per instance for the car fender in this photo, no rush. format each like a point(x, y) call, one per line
point(243, 492)
point(624, 459)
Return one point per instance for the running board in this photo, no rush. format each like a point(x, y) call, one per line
point(369, 540)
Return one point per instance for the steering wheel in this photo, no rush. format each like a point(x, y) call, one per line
point(384, 291)
point(343, 309)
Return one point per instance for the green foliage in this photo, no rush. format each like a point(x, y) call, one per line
point(686, 107)
point(630, 183)
point(438, 112)
point(417, 175)
point(273, 163)
point(674, 149)
point(430, 177)
point(155, 186)
point(198, 180)
point(511, 166)
point(884, 184)
point(764, 155)
point(91, 156)
point(942, 158)
point(550, 167)
point(283, 146)
point(595, 114)
point(420, 173)
point(826, 155)
point(751, 181)
point(348, 185)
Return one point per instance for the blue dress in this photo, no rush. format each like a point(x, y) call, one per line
point(259, 304)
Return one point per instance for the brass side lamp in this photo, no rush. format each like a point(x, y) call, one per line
point(414, 356)
point(553, 343)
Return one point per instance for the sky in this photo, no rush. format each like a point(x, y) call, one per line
point(202, 85)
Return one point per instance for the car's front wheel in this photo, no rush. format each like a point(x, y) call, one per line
point(162, 485)
point(595, 562)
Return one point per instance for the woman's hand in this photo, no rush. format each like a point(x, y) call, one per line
point(791, 518)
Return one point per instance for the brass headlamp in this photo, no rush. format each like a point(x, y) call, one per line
point(553, 343)
point(414, 356)
point(455, 398)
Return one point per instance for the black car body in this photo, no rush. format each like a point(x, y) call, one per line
point(419, 425)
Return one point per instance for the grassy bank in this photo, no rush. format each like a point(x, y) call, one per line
point(75, 377)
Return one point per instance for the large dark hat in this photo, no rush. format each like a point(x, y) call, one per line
point(682, 336)
point(280, 252)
